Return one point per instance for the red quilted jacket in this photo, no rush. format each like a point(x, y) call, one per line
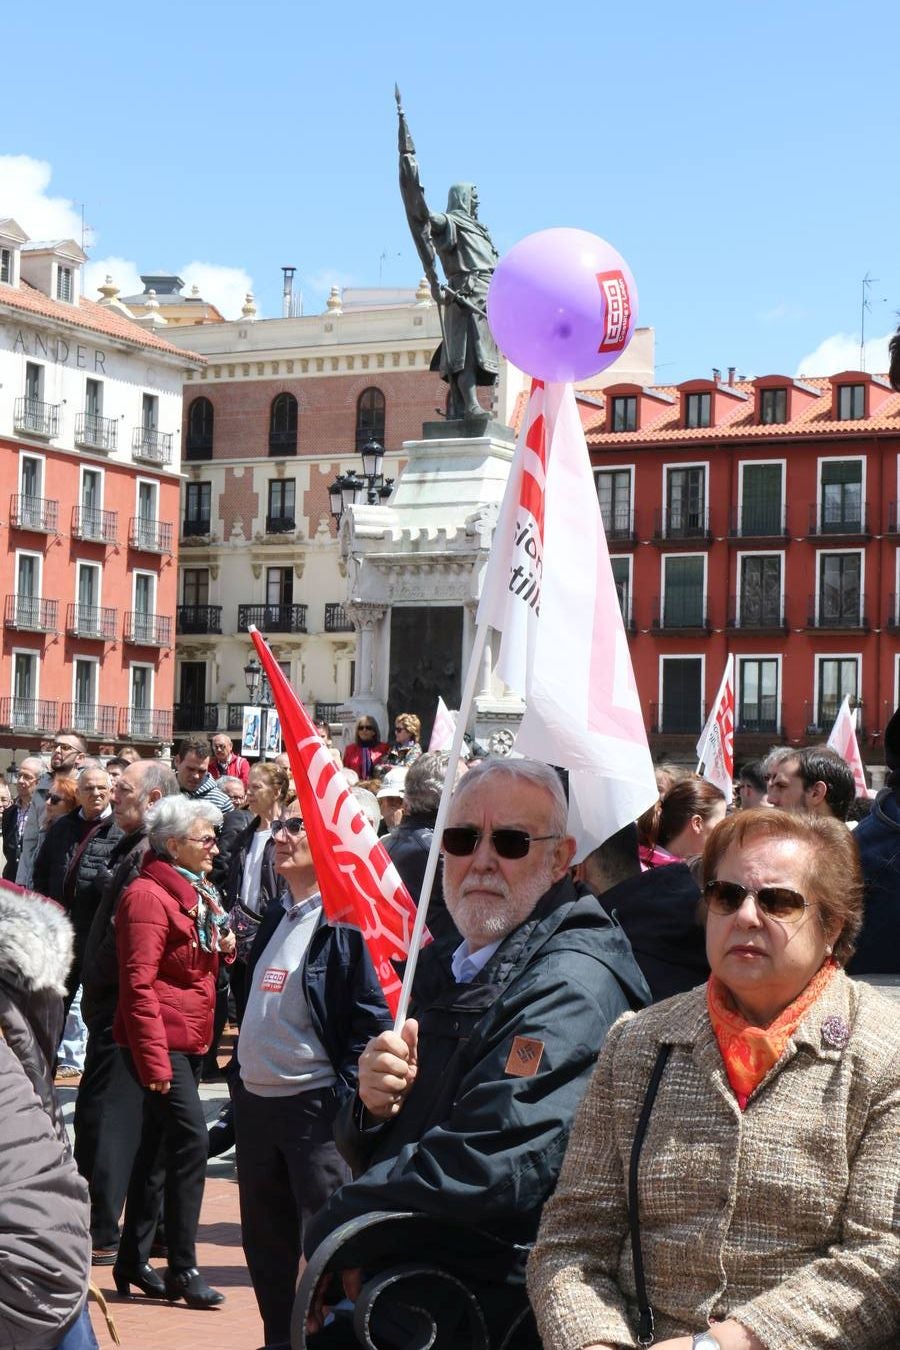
point(167, 983)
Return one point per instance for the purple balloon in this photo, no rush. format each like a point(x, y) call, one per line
point(562, 304)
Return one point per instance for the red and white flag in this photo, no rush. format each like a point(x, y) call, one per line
point(549, 591)
point(843, 740)
point(715, 748)
point(443, 729)
point(360, 885)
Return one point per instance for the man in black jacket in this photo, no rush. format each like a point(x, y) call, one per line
point(465, 1114)
point(313, 1002)
point(31, 770)
point(110, 1103)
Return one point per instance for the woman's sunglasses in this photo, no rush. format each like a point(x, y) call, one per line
point(54, 800)
point(461, 841)
point(777, 902)
point(293, 825)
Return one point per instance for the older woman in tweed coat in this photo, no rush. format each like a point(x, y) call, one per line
point(768, 1177)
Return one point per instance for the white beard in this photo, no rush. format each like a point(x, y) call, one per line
point(486, 918)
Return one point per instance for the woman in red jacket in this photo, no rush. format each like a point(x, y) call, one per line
point(364, 753)
point(170, 932)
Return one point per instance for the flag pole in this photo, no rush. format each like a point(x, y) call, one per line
point(434, 850)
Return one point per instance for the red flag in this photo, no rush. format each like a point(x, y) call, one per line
point(360, 885)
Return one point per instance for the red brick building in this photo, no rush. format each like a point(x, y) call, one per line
point(760, 518)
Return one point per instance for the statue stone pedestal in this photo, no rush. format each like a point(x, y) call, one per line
point(414, 573)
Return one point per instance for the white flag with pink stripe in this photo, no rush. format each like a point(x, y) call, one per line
point(715, 747)
point(843, 740)
point(549, 591)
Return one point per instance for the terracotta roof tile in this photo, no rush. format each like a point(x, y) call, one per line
point(87, 314)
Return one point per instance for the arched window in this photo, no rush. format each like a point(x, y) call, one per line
point(369, 417)
point(283, 425)
point(199, 430)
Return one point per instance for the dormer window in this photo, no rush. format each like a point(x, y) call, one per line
point(773, 406)
point(697, 410)
point(851, 402)
point(6, 265)
point(624, 413)
point(64, 283)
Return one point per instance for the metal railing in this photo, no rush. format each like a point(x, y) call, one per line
point(758, 717)
point(150, 536)
point(197, 525)
point(198, 619)
point(148, 630)
point(675, 719)
point(100, 433)
point(327, 712)
point(34, 513)
point(151, 445)
point(90, 621)
point(29, 714)
point(681, 524)
point(761, 520)
point(823, 521)
point(32, 614)
point(272, 618)
point(337, 620)
point(36, 418)
point(235, 716)
point(618, 524)
point(90, 524)
point(146, 724)
point(196, 717)
point(755, 612)
point(280, 524)
point(92, 719)
point(681, 609)
point(848, 614)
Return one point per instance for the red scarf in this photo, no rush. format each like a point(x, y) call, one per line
point(749, 1052)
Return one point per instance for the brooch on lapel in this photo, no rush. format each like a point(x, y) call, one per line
point(835, 1033)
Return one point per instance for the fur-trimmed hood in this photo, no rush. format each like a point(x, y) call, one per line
point(35, 942)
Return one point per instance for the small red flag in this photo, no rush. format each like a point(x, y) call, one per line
point(360, 885)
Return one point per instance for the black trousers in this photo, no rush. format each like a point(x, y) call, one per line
point(108, 1114)
point(288, 1166)
point(173, 1122)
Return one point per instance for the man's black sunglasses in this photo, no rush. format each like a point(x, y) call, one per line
point(292, 825)
point(461, 841)
point(778, 902)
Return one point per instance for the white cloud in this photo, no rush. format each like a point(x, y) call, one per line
point(841, 352)
point(24, 197)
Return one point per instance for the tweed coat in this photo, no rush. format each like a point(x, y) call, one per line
point(783, 1217)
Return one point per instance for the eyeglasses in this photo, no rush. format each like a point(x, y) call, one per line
point(294, 825)
point(365, 728)
point(207, 840)
point(776, 902)
point(461, 841)
point(61, 745)
point(54, 800)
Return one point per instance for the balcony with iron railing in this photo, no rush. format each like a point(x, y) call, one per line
point(272, 618)
point(29, 714)
point(33, 417)
point(34, 513)
point(337, 620)
point(90, 719)
point(200, 717)
point(198, 619)
point(150, 536)
point(91, 621)
point(618, 525)
point(758, 521)
point(846, 612)
point(93, 526)
point(280, 524)
point(145, 724)
point(675, 719)
point(234, 716)
point(847, 523)
point(151, 446)
point(682, 528)
point(820, 717)
point(756, 614)
point(683, 611)
point(148, 630)
point(193, 527)
point(758, 718)
point(327, 712)
point(96, 432)
point(30, 614)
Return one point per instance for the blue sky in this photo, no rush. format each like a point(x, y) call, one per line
point(742, 159)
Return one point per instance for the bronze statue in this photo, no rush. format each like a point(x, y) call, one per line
point(467, 356)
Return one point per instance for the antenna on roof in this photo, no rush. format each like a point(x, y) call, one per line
point(866, 284)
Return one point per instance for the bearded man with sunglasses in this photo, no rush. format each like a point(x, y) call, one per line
point(463, 1117)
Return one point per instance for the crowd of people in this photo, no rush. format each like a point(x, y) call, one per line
point(638, 1098)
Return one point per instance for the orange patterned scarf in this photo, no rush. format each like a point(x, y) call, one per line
point(749, 1052)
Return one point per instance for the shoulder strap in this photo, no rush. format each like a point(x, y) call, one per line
point(645, 1324)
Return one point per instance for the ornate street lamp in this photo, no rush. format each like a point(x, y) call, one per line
point(351, 490)
point(258, 690)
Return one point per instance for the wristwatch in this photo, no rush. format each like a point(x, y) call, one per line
point(704, 1340)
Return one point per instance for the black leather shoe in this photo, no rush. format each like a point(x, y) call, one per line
point(191, 1286)
point(145, 1277)
point(221, 1132)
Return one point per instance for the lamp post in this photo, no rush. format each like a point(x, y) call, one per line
point(349, 489)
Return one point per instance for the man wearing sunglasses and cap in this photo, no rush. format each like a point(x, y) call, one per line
point(463, 1117)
